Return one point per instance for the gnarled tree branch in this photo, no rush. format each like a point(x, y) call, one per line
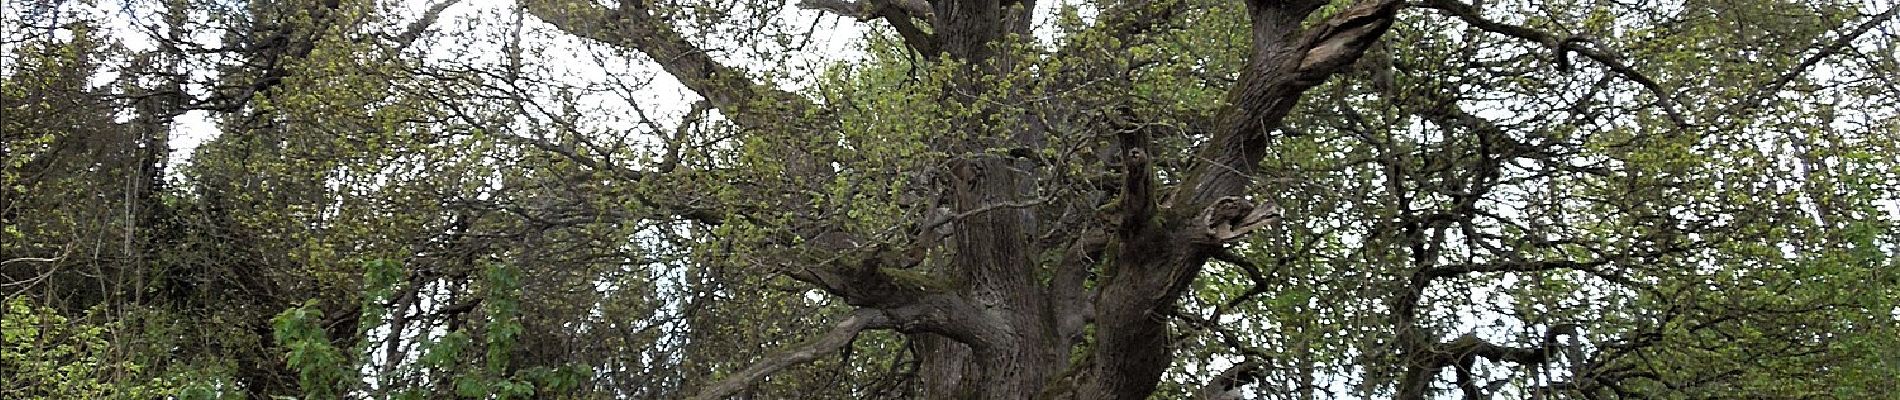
point(839, 336)
point(1226, 386)
point(1285, 62)
point(898, 13)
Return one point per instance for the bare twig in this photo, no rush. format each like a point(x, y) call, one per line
point(1471, 15)
point(1762, 92)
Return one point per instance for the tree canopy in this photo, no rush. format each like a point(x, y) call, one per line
point(950, 199)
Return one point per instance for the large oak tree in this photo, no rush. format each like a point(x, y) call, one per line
point(1054, 205)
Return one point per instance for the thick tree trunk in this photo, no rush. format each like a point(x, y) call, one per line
point(996, 270)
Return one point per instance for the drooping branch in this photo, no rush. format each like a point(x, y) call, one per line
point(839, 336)
point(633, 26)
point(911, 301)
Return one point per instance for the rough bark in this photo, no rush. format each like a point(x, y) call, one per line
point(1161, 256)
